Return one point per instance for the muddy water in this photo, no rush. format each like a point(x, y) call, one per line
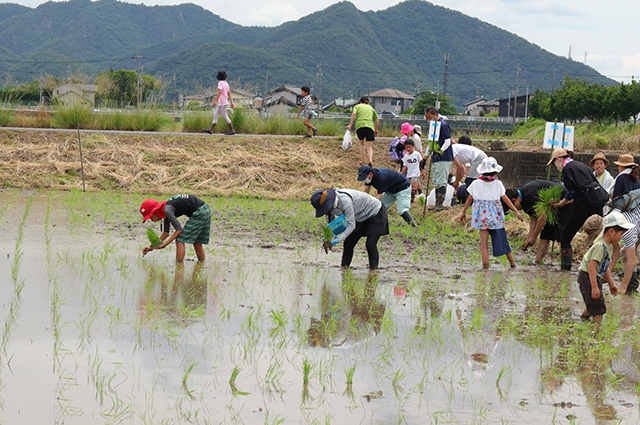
point(95, 333)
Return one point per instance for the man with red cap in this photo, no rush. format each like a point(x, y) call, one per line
point(195, 231)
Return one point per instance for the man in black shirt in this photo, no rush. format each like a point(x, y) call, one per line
point(525, 199)
point(196, 230)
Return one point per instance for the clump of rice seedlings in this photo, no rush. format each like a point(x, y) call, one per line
point(327, 234)
point(306, 371)
point(154, 239)
point(546, 196)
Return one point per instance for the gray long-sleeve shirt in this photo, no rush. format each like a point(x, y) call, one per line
point(356, 206)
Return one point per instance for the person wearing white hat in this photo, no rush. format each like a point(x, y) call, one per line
point(576, 176)
point(595, 266)
point(487, 213)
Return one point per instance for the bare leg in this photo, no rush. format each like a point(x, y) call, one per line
point(629, 268)
point(484, 248)
point(199, 251)
point(362, 157)
point(370, 152)
point(180, 251)
point(511, 260)
point(541, 252)
point(598, 318)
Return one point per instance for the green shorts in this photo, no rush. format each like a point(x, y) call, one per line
point(197, 228)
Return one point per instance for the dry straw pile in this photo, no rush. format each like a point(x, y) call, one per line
point(269, 167)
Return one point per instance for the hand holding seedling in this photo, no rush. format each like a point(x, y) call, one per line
point(328, 246)
point(520, 217)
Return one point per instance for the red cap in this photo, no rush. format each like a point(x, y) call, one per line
point(148, 207)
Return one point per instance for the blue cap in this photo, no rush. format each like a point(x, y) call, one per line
point(322, 201)
point(363, 172)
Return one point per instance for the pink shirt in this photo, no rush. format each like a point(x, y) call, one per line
point(223, 88)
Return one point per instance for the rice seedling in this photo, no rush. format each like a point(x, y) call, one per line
point(306, 371)
point(542, 207)
point(154, 239)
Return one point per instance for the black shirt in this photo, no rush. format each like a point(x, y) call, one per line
point(575, 176)
point(624, 184)
point(386, 180)
point(178, 206)
point(529, 194)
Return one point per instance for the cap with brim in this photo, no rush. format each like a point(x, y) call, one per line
point(417, 129)
point(148, 207)
point(597, 157)
point(592, 227)
point(625, 160)
point(557, 153)
point(489, 165)
point(615, 218)
point(406, 128)
point(322, 201)
point(363, 172)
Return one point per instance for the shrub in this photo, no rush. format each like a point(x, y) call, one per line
point(69, 116)
point(6, 117)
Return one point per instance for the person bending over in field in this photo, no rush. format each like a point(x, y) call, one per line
point(196, 230)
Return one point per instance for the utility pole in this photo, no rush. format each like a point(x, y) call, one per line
point(358, 90)
point(515, 95)
point(344, 93)
point(526, 102)
point(553, 86)
point(446, 73)
point(319, 87)
point(369, 92)
point(139, 58)
point(416, 84)
point(437, 105)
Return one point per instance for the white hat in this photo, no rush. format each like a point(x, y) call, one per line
point(615, 218)
point(489, 165)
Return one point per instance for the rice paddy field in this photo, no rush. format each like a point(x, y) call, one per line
point(270, 330)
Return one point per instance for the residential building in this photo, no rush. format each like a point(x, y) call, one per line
point(521, 103)
point(341, 104)
point(283, 98)
point(481, 107)
point(390, 100)
point(69, 93)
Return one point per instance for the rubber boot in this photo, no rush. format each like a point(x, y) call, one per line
point(632, 288)
point(566, 258)
point(409, 219)
point(441, 192)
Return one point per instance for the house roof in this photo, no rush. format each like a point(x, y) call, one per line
point(391, 93)
point(292, 89)
point(478, 100)
point(85, 87)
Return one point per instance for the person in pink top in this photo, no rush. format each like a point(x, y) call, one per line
point(221, 102)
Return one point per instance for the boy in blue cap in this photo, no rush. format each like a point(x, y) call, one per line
point(391, 186)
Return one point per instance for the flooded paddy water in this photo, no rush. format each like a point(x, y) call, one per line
point(270, 330)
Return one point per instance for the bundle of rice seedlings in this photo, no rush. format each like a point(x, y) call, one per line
point(546, 196)
point(154, 239)
point(327, 234)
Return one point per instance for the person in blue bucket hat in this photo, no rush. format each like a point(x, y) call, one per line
point(364, 214)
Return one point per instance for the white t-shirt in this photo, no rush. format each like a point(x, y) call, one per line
point(465, 153)
point(490, 191)
point(412, 162)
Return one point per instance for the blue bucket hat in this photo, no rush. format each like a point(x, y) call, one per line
point(322, 201)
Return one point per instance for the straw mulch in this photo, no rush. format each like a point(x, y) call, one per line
point(268, 167)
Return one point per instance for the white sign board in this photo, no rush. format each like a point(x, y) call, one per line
point(434, 130)
point(567, 143)
point(553, 134)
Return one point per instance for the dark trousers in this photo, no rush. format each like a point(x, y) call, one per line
point(371, 244)
point(578, 213)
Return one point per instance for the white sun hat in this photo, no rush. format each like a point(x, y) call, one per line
point(489, 165)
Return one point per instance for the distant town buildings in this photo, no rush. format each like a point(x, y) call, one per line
point(390, 100)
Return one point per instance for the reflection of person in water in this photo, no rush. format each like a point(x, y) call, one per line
point(592, 378)
point(178, 297)
point(351, 314)
point(431, 302)
point(481, 337)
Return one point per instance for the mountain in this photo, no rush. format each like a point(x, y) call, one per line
point(336, 50)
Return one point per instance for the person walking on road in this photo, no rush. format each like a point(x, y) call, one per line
point(367, 123)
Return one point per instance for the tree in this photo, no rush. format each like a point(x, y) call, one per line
point(540, 105)
point(122, 86)
point(427, 98)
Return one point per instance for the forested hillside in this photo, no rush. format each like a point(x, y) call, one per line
point(340, 48)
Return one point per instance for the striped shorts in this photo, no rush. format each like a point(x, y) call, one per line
point(630, 237)
point(197, 228)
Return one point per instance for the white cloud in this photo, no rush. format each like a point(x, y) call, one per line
point(270, 14)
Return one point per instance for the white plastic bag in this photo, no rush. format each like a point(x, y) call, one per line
point(346, 140)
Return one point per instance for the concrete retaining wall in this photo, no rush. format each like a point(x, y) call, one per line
point(522, 167)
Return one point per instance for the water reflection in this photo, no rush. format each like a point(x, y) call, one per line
point(181, 296)
point(350, 313)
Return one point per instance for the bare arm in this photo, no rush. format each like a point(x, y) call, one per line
point(467, 204)
point(459, 171)
point(512, 207)
point(377, 125)
point(353, 117)
point(163, 236)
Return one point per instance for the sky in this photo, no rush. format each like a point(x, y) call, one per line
point(606, 32)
